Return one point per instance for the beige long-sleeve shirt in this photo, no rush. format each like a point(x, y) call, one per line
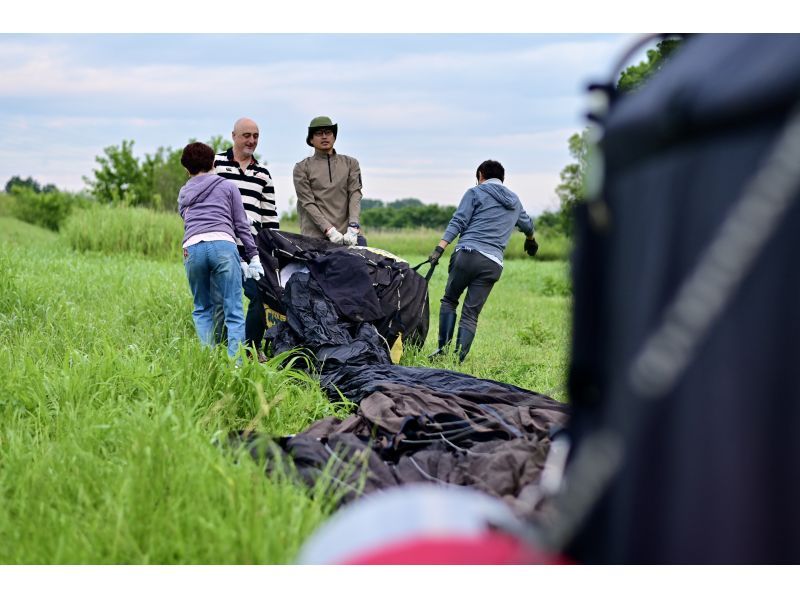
point(328, 188)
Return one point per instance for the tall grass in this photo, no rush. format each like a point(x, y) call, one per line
point(112, 417)
point(125, 230)
point(423, 240)
point(24, 234)
point(6, 205)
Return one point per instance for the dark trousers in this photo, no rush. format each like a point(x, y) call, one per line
point(477, 274)
point(255, 321)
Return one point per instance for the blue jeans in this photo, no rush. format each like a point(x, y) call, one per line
point(255, 322)
point(215, 277)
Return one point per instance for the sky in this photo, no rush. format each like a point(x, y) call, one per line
point(422, 91)
point(419, 111)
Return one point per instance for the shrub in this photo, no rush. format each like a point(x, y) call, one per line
point(555, 286)
point(137, 231)
point(535, 334)
point(48, 209)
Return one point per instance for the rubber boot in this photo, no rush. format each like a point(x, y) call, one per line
point(447, 324)
point(464, 342)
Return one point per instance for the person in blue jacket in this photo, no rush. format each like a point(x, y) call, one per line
point(484, 221)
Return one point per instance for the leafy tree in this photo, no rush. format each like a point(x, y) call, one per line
point(28, 183)
point(20, 183)
point(635, 76)
point(405, 203)
point(571, 190)
point(154, 181)
point(120, 178)
point(164, 176)
point(369, 204)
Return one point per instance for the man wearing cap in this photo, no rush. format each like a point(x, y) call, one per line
point(328, 188)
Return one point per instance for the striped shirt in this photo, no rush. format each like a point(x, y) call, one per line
point(255, 185)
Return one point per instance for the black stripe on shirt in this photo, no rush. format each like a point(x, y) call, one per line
point(253, 180)
point(255, 194)
point(261, 211)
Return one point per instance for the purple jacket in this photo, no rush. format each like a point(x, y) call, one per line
point(208, 203)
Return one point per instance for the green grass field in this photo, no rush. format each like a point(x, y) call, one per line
point(111, 412)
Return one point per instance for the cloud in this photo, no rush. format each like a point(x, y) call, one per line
point(52, 69)
point(486, 61)
point(64, 167)
point(547, 140)
point(69, 122)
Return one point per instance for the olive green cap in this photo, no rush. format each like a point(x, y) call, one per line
point(321, 122)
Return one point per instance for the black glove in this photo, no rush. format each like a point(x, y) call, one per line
point(531, 246)
point(433, 258)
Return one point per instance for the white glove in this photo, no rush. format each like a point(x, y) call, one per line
point(334, 236)
point(245, 270)
point(255, 268)
point(351, 236)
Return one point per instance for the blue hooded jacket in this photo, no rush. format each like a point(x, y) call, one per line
point(486, 217)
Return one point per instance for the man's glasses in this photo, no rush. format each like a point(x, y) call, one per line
point(323, 133)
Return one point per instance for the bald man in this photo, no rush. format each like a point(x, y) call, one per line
point(239, 165)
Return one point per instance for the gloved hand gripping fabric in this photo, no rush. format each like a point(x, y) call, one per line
point(433, 258)
point(255, 269)
point(334, 236)
point(351, 236)
point(245, 270)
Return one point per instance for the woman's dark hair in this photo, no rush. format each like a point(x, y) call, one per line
point(491, 169)
point(197, 157)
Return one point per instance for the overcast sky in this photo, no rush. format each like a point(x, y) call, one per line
point(419, 111)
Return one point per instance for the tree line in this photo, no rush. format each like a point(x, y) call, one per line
point(408, 212)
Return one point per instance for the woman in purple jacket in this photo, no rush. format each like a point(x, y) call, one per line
point(213, 215)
